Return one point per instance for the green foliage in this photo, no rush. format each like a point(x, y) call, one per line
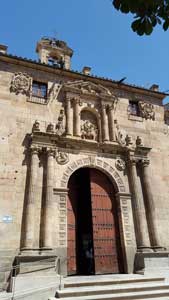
point(148, 14)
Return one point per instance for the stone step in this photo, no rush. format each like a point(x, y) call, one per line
point(78, 292)
point(93, 281)
point(157, 294)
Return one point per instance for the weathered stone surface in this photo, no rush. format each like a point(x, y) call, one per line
point(90, 126)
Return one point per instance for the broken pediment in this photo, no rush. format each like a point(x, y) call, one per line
point(87, 87)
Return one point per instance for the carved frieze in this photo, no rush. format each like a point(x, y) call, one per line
point(120, 164)
point(62, 158)
point(87, 87)
point(60, 126)
point(147, 110)
point(21, 83)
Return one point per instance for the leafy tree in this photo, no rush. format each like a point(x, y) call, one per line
point(148, 13)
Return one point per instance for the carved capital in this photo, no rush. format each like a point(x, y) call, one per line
point(111, 106)
point(145, 162)
point(50, 152)
point(132, 161)
point(35, 150)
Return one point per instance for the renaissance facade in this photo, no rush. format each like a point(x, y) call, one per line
point(84, 166)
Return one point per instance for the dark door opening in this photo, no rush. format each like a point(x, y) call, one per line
point(93, 230)
point(80, 200)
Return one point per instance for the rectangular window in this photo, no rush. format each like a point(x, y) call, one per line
point(134, 108)
point(39, 89)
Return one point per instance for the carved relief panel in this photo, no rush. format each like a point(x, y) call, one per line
point(89, 126)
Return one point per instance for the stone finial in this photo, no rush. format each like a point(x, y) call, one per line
point(139, 142)
point(36, 127)
point(3, 49)
point(50, 128)
point(86, 70)
point(128, 140)
point(154, 87)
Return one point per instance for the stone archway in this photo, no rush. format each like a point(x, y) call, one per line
point(97, 163)
point(125, 215)
point(94, 244)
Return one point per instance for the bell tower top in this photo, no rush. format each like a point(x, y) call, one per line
point(54, 52)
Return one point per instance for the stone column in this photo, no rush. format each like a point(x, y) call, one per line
point(77, 117)
point(68, 117)
point(49, 210)
point(143, 243)
point(105, 134)
point(111, 122)
point(150, 206)
point(29, 239)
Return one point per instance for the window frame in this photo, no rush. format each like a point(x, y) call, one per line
point(39, 85)
point(133, 108)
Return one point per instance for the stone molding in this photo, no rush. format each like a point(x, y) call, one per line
point(98, 163)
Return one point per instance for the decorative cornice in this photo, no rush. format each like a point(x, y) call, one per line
point(79, 76)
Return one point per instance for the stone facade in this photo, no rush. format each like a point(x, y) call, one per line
point(80, 121)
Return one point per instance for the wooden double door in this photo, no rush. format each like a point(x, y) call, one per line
point(93, 233)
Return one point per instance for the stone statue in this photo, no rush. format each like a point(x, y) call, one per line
point(89, 131)
point(60, 127)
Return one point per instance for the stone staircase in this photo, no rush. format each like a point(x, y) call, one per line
point(113, 287)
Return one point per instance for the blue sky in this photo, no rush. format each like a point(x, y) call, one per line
point(100, 37)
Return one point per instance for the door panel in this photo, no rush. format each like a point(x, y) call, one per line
point(71, 221)
point(104, 230)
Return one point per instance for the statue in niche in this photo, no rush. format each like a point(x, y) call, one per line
point(89, 128)
point(120, 134)
point(89, 131)
point(60, 126)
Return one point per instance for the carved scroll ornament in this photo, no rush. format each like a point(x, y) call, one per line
point(21, 83)
point(147, 110)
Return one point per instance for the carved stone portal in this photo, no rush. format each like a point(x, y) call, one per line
point(21, 83)
point(89, 128)
point(147, 110)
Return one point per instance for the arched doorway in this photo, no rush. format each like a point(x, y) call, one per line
point(94, 245)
